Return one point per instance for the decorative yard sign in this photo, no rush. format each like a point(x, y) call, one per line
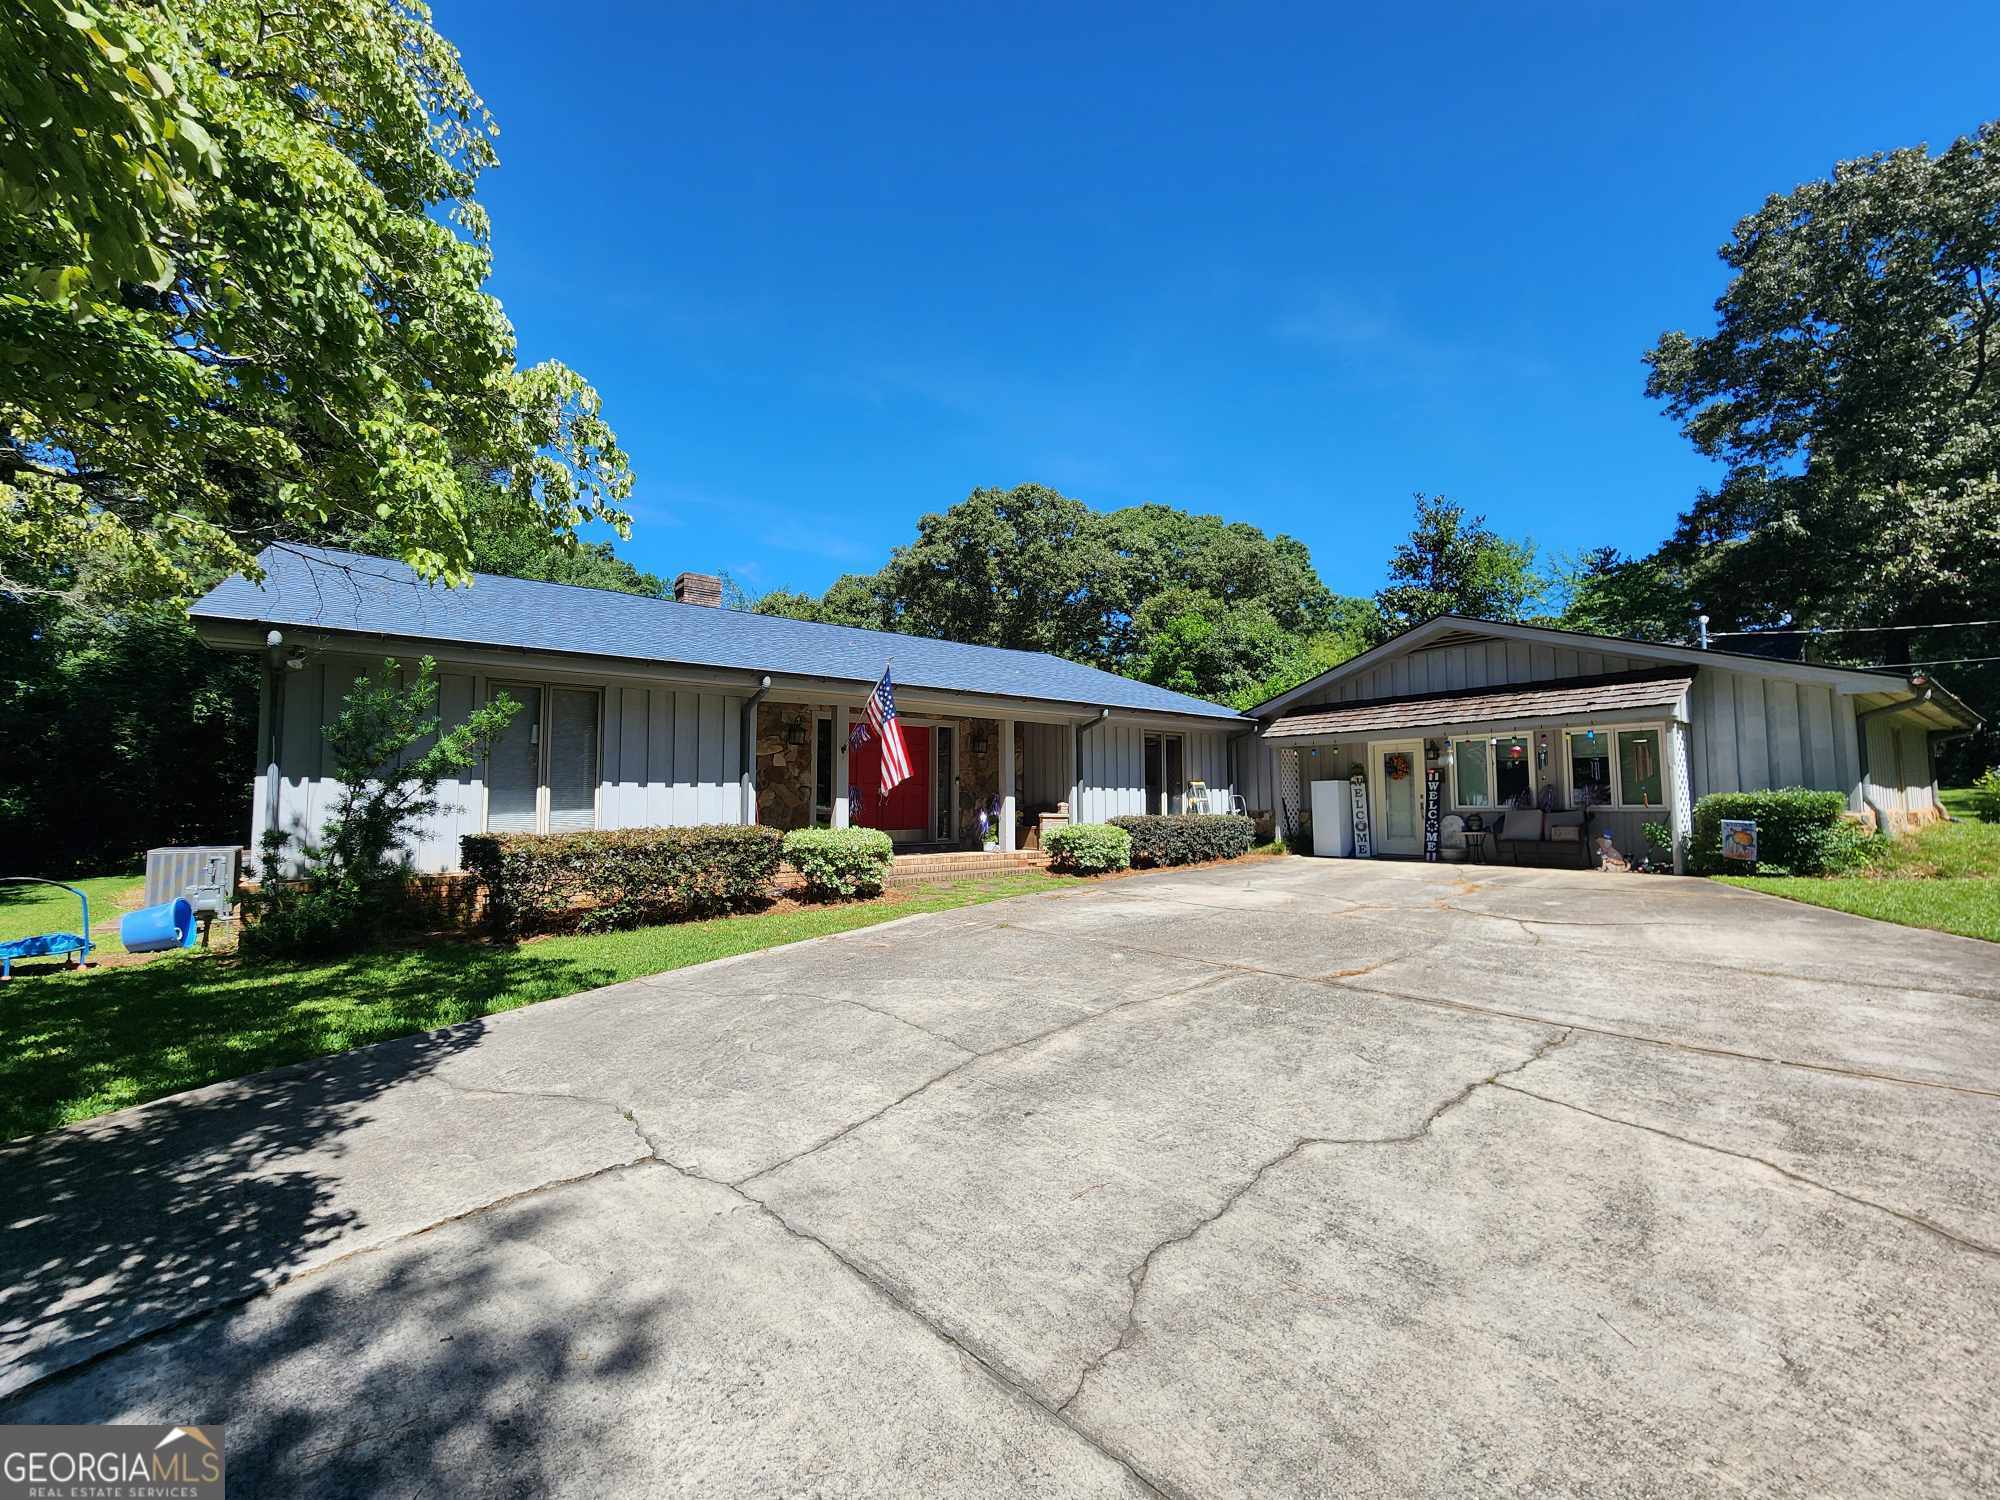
point(1364, 839)
point(1431, 782)
point(1739, 839)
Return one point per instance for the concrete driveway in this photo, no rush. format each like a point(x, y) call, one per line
point(1294, 1178)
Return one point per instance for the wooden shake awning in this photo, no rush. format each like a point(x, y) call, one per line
point(1575, 698)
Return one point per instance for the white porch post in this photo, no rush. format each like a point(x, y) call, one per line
point(1007, 777)
point(840, 767)
point(1075, 774)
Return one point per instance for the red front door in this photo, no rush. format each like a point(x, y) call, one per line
point(907, 808)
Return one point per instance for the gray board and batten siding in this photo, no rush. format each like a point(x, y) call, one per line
point(1753, 725)
point(641, 701)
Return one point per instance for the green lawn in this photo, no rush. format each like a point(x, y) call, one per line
point(1946, 876)
point(77, 1045)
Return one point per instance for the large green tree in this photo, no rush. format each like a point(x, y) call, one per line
point(854, 599)
point(1851, 390)
point(118, 732)
point(1455, 564)
point(242, 297)
point(1189, 601)
point(1002, 568)
point(500, 539)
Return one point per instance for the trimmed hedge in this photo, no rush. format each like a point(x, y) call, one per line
point(839, 864)
point(1088, 848)
point(591, 882)
point(1188, 838)
point(1799, 832)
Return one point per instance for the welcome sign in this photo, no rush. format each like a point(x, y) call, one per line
point(1431, 795)
point(1364, 838)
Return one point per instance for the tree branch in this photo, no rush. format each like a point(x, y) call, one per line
point(1985, 322)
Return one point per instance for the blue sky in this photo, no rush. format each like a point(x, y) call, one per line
point(833, 266)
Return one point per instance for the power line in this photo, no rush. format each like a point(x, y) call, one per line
point(1854, 629)
point(1943, 661)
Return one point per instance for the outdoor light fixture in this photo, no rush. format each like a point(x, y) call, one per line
point(795, 732)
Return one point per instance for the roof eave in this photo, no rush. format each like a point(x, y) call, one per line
point(235, 633)
point(1852, 679)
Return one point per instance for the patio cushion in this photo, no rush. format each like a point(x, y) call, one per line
point(1566, 827)
point(1522, 823)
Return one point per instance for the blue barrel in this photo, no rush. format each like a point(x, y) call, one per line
point(153, 929)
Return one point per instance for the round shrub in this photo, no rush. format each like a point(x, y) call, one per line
point(1088, 848)
point(1799, 831)
point(839, 864)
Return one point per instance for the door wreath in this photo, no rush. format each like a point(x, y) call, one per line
point(1398, 766)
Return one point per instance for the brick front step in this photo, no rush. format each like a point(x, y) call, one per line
point(908, 869)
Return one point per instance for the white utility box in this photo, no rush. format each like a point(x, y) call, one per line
point(1333, 819)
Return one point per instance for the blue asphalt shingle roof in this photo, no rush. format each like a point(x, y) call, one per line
point(322, 589)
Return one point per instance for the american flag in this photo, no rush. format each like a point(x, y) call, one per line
point(882, 717)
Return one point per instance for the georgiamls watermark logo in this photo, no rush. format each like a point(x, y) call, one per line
point(111, 1463)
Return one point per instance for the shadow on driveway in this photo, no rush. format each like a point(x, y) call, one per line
point(144, 1218)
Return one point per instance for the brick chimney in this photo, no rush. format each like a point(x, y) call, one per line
point(698, 588)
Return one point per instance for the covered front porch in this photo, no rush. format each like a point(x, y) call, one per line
point(1613, 747)
point(811, 774)
point(978, 779)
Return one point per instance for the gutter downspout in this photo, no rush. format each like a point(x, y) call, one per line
point(1868, 799)
point(747, 743)
point(1076, 758)
point(274, 684)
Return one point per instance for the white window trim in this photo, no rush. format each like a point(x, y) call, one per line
point(1611, 732)
point(1486, 742)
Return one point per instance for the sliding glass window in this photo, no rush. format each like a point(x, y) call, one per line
point(541, 775)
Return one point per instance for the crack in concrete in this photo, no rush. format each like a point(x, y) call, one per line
point(1524, 923)
point(282, 1280)
point(1699, 1049)
point(508, 1093)
point(1565, 922)
point(1380, 963)
point(1241, 909)
point(887, 1014)
point(1916, 1220)
point(1137, 1277)
point(989, 1364)
point(1207, 981)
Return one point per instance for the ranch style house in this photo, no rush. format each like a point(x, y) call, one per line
point(646, 712)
